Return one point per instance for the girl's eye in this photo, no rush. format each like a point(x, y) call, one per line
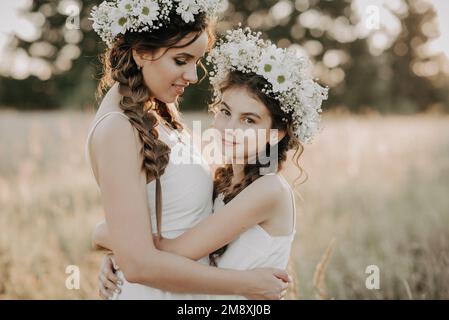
point(225, 112)
point(249, 121)
point(180, 62)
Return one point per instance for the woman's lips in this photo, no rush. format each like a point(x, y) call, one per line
point(179, 89)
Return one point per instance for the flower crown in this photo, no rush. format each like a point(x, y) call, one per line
point(299, 96)
point(115, 17)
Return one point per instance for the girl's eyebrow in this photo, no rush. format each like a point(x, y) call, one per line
point(226, 105)
point(245, 113)
point(252, 114)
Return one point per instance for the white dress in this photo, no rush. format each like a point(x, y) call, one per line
point(256, 248)
point(187, 199)
point(187, 188)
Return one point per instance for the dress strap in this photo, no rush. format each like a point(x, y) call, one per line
point(89, 135)
point(292, 194)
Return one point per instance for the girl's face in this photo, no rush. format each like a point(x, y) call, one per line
point(244, 124)
point(168, 73)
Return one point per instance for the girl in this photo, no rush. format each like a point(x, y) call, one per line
point(154, 47)
point(259, 89)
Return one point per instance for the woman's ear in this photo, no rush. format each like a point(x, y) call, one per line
point(137, 58)
point(140, 58)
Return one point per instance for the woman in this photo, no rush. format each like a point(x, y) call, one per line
point(261, 90)
point(153, 50)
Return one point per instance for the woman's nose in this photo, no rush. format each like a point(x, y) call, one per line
point(191, 75)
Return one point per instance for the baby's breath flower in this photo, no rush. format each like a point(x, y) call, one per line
point(115, 17)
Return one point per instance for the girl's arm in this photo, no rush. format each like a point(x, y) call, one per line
point(123, 190)
point(251, 206)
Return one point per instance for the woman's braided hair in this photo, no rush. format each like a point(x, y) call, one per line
point(144, 112)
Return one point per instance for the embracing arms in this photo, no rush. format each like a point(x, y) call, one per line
point(117, 163)
point(250, 207)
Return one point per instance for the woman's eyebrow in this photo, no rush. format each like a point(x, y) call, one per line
point(185, 54)
point(188, 55)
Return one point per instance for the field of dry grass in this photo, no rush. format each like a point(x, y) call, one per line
point(376, 186)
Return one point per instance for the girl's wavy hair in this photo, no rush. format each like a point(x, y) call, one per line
point(145, 112)
point(254, 84)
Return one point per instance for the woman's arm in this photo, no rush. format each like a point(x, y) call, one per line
point(251, 206)
point(123, 190)
point(100, 237)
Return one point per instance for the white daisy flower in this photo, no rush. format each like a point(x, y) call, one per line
point(115, 17)
point(280, 82)
point(148, 11)
point(187, 9)
point(269, 60)
point(128, 6)
point(120, 22)
point(286, 73)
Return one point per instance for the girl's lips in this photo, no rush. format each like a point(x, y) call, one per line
point(228, 143)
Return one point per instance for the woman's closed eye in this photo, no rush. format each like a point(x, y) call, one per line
point(180, 62)
point(183, 62)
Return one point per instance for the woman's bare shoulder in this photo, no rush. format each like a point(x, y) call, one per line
point(113, 137)
point(114, 125)
point(113, 121)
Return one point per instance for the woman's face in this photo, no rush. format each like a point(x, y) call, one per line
point(168, 73)
point(244, 124)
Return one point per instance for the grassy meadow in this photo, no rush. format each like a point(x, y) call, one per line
point(376, 194)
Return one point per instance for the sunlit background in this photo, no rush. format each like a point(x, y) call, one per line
point(378, 174)
point(19, 65)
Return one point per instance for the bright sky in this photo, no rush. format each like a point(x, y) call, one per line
point(11, 21)
point(442, 8)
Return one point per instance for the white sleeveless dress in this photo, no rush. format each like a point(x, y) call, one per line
point(184, 207)
point(187, 188)
point(256, 248)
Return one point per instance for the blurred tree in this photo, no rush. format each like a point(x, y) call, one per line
point(398, 79)
point(413, 89)
point(326, 30)
point(359, 77)
point(67, 49)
